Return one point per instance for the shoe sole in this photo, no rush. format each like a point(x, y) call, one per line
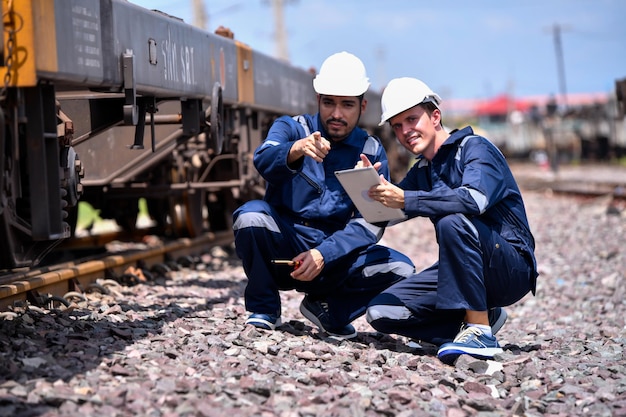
point(263, 324)
point(450, 354)
point(497, 325)
point(313, 319)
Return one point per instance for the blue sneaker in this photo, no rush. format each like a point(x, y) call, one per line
point(471, 341)
point(317, 313)
point(264, 321)
point(497, 318)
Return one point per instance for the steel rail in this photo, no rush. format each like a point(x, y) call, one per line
point(31, 285)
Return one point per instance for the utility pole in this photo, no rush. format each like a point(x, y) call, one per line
point(201, 17)
point(280, 33)
point(552, 121)
point(556, 30)
point(380, 67)
point(199, 14)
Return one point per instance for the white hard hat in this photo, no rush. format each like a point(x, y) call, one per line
point(341, 74)
point(403, 93)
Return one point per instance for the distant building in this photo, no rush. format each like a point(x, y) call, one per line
point(496, 105)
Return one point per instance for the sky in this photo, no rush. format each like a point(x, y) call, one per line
point(463, 49)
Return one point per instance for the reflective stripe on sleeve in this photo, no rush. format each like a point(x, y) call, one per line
point(375, 230)
point(479, 198)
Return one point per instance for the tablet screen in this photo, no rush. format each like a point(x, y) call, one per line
point(357, 182)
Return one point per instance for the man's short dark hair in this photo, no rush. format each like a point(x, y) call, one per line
point(429, 107)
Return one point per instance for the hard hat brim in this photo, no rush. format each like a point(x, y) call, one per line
point(434, 98)
point(322, 87)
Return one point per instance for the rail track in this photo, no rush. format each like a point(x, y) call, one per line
point(617, 191)
point(56, 284)
point(582, 181)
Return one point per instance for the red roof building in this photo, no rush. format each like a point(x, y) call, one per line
point(500, 106)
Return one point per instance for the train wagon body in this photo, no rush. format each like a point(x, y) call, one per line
point(107, 102)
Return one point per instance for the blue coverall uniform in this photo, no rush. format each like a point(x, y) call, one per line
point(306, 207)
point(486, 248)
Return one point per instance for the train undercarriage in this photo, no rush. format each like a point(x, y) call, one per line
point(108, 103)
point(191, 182)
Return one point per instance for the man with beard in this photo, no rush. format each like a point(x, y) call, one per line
point(306, 233)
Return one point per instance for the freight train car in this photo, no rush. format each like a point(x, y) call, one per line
point(106, 102)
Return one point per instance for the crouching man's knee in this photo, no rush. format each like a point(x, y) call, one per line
point(384, 311)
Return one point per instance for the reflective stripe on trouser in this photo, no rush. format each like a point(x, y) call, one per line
point(261, 235)
point(477, 270)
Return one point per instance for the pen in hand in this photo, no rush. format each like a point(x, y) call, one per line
point(295, 264)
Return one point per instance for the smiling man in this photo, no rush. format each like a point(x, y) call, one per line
point(462, 182)
point(307, 218)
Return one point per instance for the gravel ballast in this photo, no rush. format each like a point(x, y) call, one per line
point(178, 346)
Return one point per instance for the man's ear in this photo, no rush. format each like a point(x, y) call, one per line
point(436, 117)
point(363, 104)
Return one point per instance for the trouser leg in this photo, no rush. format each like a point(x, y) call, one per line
point(258, 240)
point(460, 282)
point(508, 276)
point(408, 308)
point(347, 287)
point(374, 270)
point(261, 235)
point(478, 269)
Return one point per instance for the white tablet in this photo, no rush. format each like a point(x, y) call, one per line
point(357, 182)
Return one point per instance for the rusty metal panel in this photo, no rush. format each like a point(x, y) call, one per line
point(107, 156)
point(43, 25)
point(245, 73)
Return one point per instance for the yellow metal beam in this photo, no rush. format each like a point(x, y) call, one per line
point(245, 73)
point(45, 35)
point(29, 41)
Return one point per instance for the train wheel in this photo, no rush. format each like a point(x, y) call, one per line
point(220, 208)
point(159, 213)
point(125, 213)
point(192, 212)
point(188, 213)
